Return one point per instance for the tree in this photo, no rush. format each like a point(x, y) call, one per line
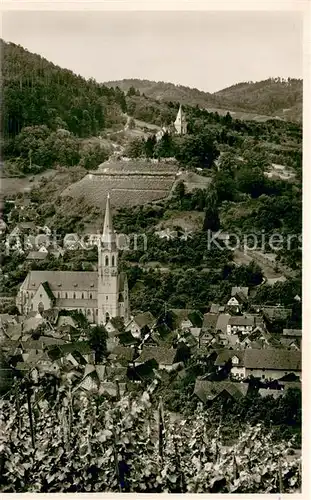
point(131, 91)
point(211, 220)
point(165, 147)
point(225, 186)
point(227, 164)
point(135, 148)
point(149, 146)
point(251, 181)
point(197, 150)
point(97, 338)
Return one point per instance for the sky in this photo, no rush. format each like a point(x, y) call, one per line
point(206, 50)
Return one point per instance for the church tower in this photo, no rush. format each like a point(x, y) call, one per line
point(108, 280)
point(180, 122)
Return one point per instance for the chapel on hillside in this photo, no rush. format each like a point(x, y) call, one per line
point(98, 295)
point(179, 126)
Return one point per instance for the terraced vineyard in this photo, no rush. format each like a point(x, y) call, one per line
point(128, 183)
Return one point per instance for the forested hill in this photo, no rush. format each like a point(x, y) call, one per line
point(282, 97)
point(274, 97)
point(37, 92)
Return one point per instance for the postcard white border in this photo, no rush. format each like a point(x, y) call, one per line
point(303, 6)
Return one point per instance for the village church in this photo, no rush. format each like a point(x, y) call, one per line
point(98, 295)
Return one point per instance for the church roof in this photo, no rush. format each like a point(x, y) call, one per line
point(57, 281)
point(61, 280)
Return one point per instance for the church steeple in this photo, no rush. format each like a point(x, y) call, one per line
point(108, 236)
point(180, 122)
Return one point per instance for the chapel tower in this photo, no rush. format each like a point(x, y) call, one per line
point(108, 279)
point(180, 122)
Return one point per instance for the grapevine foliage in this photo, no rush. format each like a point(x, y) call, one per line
point(85, 445)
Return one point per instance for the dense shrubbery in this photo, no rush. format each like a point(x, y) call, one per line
point(85, 445)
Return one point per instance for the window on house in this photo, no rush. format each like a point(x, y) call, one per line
point(58, 295)
point(66, 295)
point(82, 295)
point(263, 376)
point(106, 297)
point(106, 261)
point(113, 260)
point(91, 296)
point(88, 312)
point(74, 295)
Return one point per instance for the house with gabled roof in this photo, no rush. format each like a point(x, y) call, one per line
point(151, 339)
point(165, 358)
point(38, 255)
point(239, 298)
point(114, 326)
point(141, 324)
point(77, 353)
point(208, 391)
point(210, 322)
point(127, 339)
point(185, 319)
point(242, 324)
point(94, 379)
point(222, 322)
point(232, 358)
point(272, 364)
point(14, 331)
point(122, 355)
